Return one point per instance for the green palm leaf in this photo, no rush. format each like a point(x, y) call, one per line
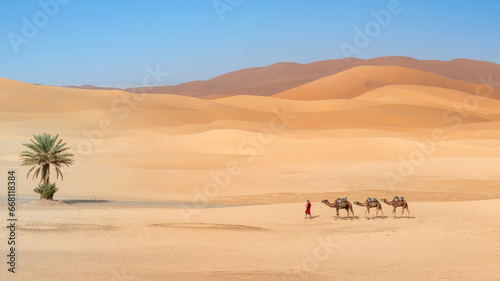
point(45, 152)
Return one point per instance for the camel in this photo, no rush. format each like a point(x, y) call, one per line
point(343, 205)
point(370, 204)
point(397, 203)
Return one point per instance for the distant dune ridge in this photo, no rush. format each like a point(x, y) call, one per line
point(276, 78)
point(376, 121)
point(361, 79)
point(90, 87)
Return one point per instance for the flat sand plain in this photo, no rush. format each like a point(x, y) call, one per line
point(85, 241)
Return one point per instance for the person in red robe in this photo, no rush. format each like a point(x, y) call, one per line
point(308, 209)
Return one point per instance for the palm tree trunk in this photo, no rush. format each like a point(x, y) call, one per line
point(46, 173)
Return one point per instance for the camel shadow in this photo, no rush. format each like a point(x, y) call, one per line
point(346, 218)
point(377, 217)
point(404, 217)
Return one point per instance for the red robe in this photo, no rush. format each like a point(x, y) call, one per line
point(308, 208)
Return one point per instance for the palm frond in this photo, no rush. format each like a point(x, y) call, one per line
point(45, 151)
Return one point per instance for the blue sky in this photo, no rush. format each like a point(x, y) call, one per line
point(110, 43)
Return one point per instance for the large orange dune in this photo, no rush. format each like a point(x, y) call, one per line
point(359, 80)
point(279, 77)
point(314, 138)
point(242, 168)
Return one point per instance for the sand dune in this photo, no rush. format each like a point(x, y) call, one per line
point(164, 147)
point(359, 80)
point(276, 78)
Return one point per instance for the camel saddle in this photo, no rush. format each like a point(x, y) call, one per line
point(340, 200)
point(371, 200)
point(397, 198)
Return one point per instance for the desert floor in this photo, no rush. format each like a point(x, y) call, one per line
point(96, 241)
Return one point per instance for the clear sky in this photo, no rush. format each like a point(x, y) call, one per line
point(110, 43)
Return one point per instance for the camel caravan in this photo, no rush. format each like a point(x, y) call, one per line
point(343, 203)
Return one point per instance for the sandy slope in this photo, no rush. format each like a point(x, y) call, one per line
point(359, 80)
point(279, 77)
point(166, 147)
point(441, 241)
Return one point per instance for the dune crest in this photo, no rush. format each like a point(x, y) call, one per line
point(359, 80)
point(366, 120)
point(279, 77)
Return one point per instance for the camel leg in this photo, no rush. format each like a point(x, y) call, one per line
point(408, 210)
point(394, 212)
point(402, 212)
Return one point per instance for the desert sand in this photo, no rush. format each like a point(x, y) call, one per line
point(279, 77)
point(441, 241)
point(169, 187)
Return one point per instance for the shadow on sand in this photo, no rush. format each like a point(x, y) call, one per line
point(310, 218)
point(377, 217)
point(88, 201)
point(404, 217)
point(346, 218)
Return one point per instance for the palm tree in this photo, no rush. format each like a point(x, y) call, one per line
point(45, 151)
